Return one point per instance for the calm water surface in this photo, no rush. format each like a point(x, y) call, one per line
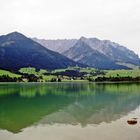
point(69, 111)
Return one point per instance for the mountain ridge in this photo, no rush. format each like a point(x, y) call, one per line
point(17, 51)
point(58, 45)
point(110, 52)
point(83, 53)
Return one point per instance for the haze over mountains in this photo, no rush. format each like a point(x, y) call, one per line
point(17, 51)
point(93, 52)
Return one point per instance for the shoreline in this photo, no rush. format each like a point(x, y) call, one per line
point(84, 81)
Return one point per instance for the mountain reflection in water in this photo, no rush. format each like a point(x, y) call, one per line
point(24, 105)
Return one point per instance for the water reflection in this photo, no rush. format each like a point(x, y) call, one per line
point(23, 105)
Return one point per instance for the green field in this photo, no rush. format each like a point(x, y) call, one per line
point(131, 66)
point(48, 77)
point(10, 74)
point(31, 70)
point(86, 74)
point(122, 73)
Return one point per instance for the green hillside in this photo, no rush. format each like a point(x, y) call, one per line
point(10, 74)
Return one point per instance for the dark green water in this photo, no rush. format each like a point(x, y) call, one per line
point(26, 108)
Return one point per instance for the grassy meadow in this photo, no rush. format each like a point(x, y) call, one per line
point(70, 74)
point(10, 74)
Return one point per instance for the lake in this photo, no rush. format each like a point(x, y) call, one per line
point(69, 111)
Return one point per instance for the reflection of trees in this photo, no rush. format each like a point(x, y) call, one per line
point(22, 105)
point(68, 89)
point(33, 89)
point(27, 91)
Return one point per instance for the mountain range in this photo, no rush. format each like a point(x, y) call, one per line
point(59, 45)
point(102, 54)
point(17, 51)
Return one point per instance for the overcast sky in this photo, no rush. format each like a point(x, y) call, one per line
point(116, 20)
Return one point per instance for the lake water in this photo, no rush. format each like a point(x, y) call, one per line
point(69, 111)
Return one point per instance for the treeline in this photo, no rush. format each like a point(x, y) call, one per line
point(34, 78)
point(113, 79)
point(77, 73)
point(29, 78)
point(6, 78)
